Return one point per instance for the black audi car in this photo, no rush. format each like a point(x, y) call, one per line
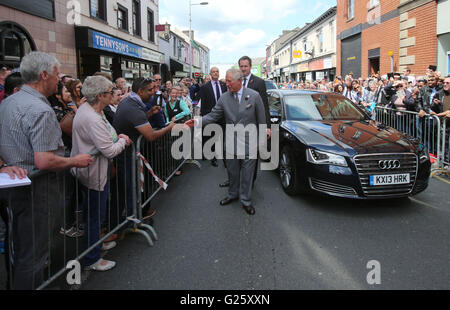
point(329, 145)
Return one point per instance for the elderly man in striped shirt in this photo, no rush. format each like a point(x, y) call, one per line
point(30, 138)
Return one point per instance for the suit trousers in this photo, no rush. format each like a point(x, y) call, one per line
point(241, 173)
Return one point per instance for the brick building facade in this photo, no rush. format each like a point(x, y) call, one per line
point(45, 25)
point(385, 36)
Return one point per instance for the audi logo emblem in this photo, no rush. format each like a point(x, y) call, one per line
point(389, 164)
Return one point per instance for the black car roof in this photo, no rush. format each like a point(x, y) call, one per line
point(285, 92)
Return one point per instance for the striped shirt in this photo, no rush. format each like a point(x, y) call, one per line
point(28, 124)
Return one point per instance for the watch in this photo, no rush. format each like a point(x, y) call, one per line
point(3, 166)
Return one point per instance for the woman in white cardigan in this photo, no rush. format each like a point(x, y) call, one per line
point(92, 133)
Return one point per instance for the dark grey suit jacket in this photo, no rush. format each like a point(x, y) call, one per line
point(249, 111)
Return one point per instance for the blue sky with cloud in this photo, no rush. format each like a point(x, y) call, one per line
point(234, 28)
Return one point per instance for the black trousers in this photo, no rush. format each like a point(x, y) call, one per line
point(33, 216)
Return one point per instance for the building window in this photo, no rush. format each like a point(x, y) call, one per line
point(320, 40)
point(98, 9)
point(351, 9)
point(151, 25)
point(332, 36)
point(136, 18)
point(122, 18)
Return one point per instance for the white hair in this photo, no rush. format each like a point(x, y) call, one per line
point(236, 74)
point(34, 64)
point(93, 86)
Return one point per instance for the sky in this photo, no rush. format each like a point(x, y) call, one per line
point(234, 28)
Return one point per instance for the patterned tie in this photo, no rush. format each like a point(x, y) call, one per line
point(245, 83)
point(217, 91)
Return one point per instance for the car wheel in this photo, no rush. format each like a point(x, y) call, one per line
point(289, 171)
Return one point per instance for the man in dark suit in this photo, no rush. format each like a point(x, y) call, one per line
point(209, 95)
point(253, 82)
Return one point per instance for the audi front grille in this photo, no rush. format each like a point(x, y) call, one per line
point(332, 188)
point(368, 165)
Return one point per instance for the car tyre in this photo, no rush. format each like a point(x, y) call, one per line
point(289, 171)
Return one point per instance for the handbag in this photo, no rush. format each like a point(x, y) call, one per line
point(67, 122)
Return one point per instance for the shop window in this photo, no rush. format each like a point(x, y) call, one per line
point(151, 25)
point(122, 18)
point(15, 42)
point(98, 9)
point(136, 18)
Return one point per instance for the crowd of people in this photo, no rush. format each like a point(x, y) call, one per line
point(426, 94)
point(72, 129)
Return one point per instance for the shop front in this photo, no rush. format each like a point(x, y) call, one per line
point(97, 51)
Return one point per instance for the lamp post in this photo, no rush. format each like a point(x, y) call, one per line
point(191, 53)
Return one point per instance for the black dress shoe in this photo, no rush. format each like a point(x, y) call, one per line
point(225, 184)
point(214, 163)
point(249, 209)
point(227, 201)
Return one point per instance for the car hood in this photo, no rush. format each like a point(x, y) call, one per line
point(349, 138)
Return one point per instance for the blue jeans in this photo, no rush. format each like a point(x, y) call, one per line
point(94, 210)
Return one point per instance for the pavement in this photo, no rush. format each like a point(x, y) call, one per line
point(303, 242)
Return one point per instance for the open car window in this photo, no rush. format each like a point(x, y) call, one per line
point(321, 107)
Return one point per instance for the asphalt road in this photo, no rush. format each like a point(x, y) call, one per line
point(304, 242)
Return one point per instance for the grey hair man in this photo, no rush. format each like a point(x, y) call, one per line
point(30, 138)
point(239, 106)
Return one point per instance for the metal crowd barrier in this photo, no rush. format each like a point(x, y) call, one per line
point(157, 157)
point(429, 129)
point(445, 160)
point(46, 227)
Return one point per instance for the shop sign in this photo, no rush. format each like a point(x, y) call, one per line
point(286, 70)
point(297, 54)
point(113, 45)
point(316, 64)
point(181, 74)
point(303, 67)
point(152, 55)
point(328, 63)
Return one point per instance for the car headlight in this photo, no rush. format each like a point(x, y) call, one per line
point(324, 158)
point(423, 154)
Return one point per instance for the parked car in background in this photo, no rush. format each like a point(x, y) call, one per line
point(328, 145)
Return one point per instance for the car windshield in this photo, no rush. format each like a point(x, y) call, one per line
point(270, 85)
point(318, 107)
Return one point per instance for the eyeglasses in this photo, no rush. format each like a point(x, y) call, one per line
point(108, 92)
point(157, 79)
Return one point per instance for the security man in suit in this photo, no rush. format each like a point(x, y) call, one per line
point(209, 95)
point(239, 106)
point(253, 82)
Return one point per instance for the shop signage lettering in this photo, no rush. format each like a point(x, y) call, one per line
point(110, 44)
